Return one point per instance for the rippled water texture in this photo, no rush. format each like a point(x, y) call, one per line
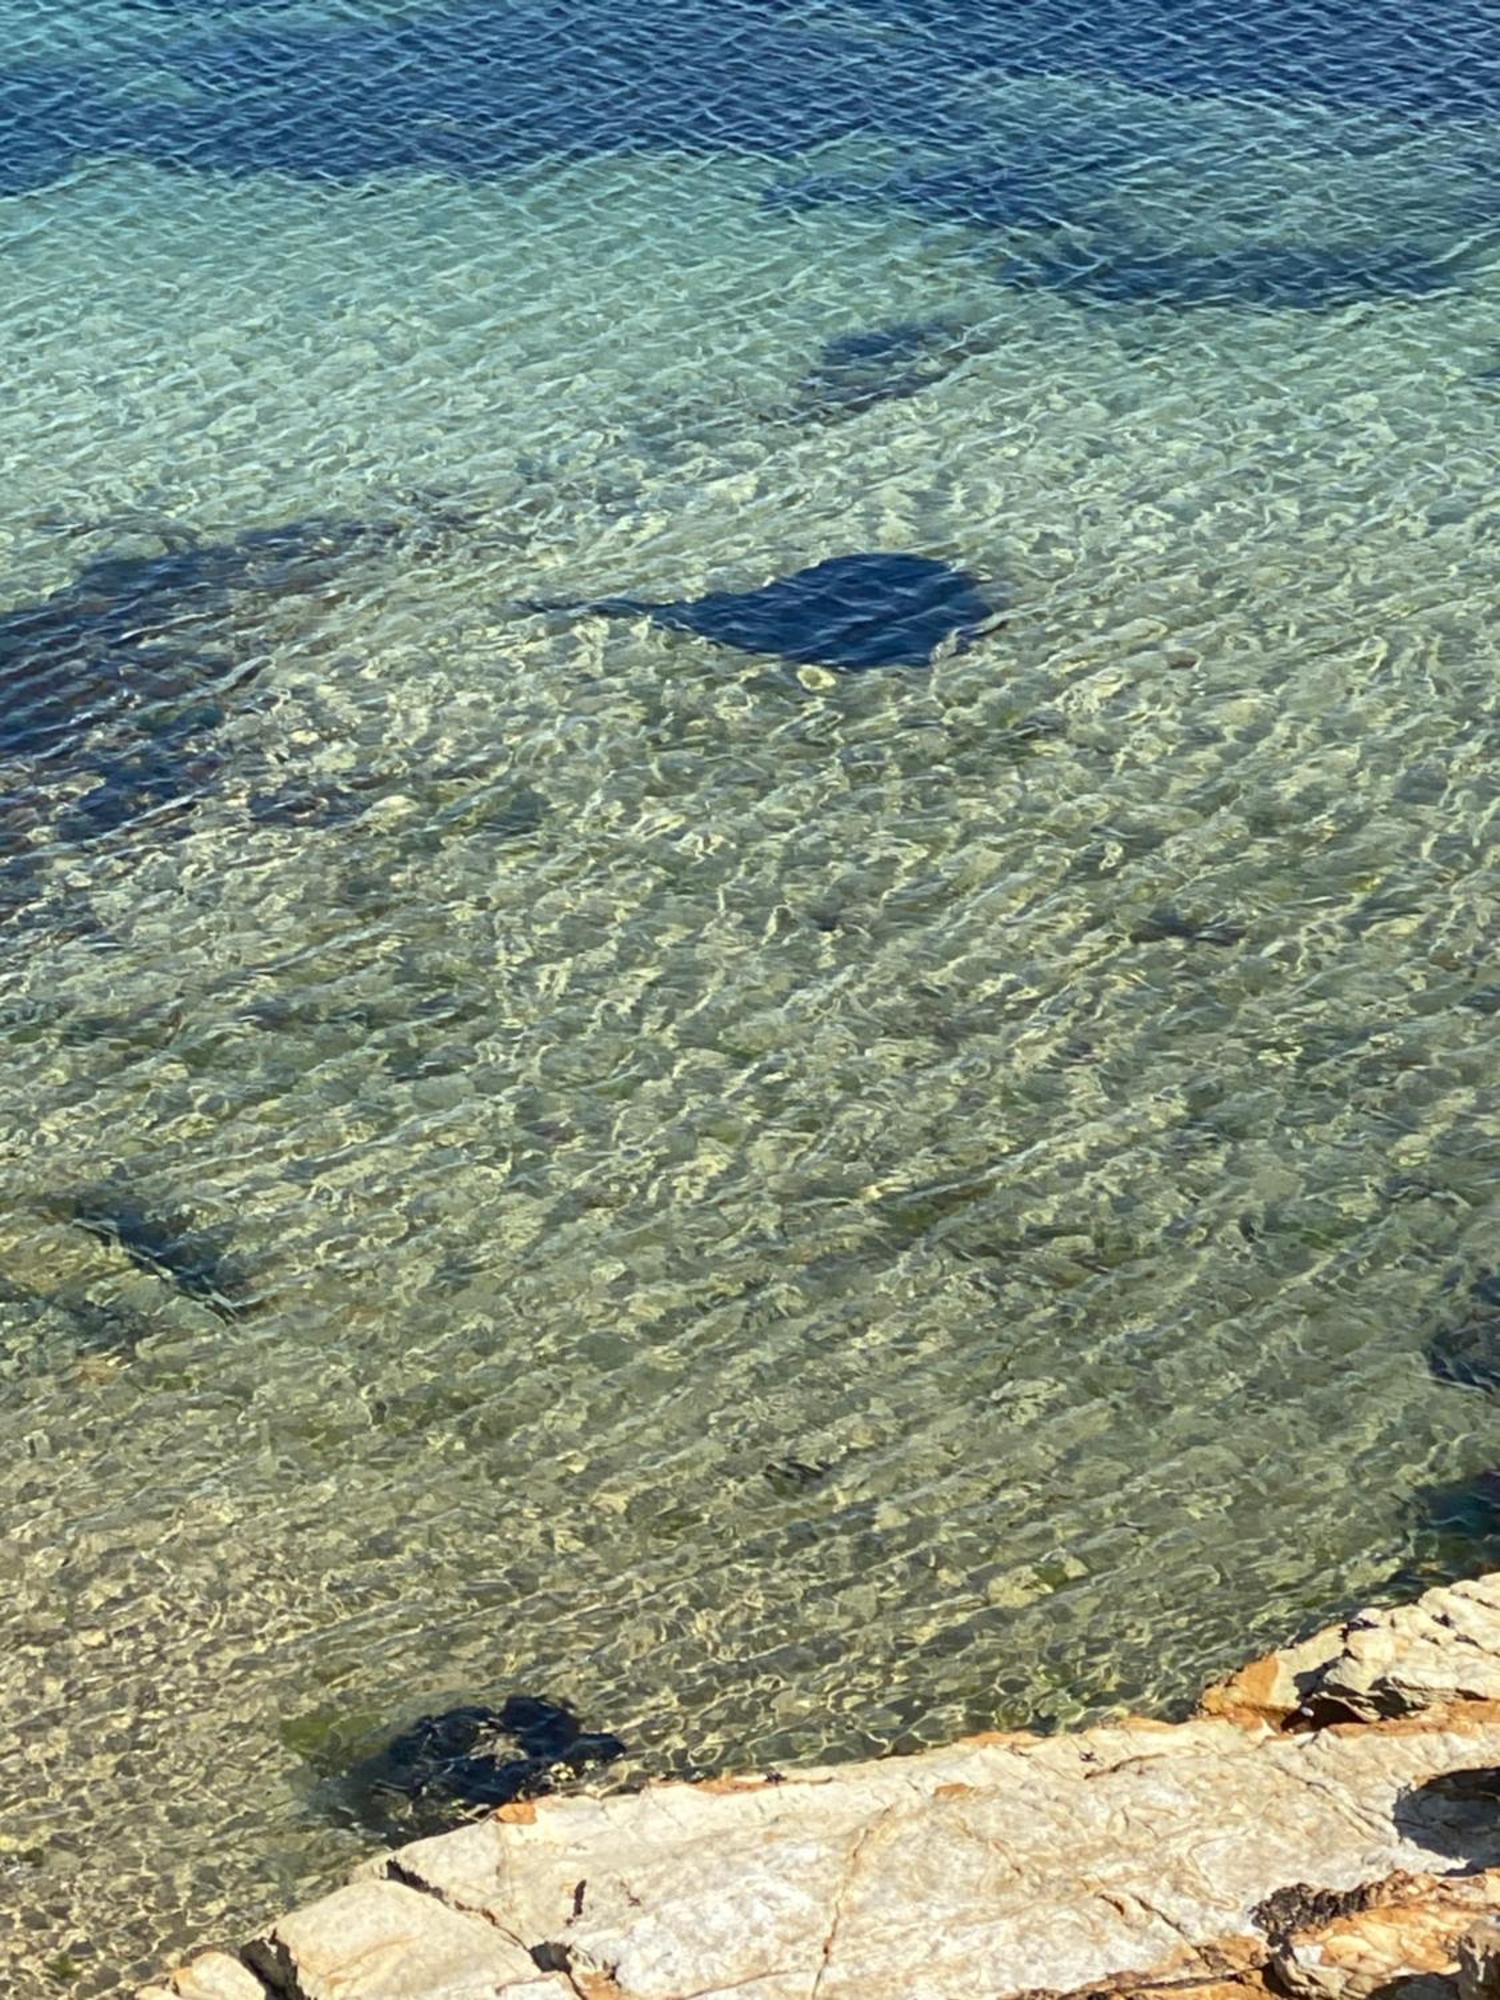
point(793, 1201)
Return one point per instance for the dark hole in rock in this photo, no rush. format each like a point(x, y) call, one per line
point(470, 1759)
point(851, 613)
point(194, 1261)
point(1456, 1814)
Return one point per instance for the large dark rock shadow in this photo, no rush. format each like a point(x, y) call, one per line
point(1456, 1814)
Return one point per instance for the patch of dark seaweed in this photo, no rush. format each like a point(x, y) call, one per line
point(883, 608)
point(113, 687)
point(855, 371)
point(480, 91)
point(463, 1760)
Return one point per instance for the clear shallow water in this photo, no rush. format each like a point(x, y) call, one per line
point(801, 1213)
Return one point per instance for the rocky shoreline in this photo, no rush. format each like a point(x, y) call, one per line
point(1326, 1827)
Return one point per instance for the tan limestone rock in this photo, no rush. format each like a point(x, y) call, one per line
point(1405, 1930)
point(214, 1975)
point(381, 1941)
point(1443, 1648)
point(1274, 1688)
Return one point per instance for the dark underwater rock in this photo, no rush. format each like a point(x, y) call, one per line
point(112, 688)
point(1276, 277)
point(1028, 177)
point(1468, 1354)
point(140, 632)
point(882, 364)
point(1438, 61)
point(480, 90)
point(196, 1262)
point(1166, 925)
point(880, 609)
point(469, 1759)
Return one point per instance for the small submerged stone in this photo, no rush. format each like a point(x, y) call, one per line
point(1167, 925)
point(472, 1758)
point(851, 613)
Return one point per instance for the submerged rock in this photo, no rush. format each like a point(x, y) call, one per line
point(112, 688)
point(468, 1758)
point(136, 634)
point(193, 1261)
point(1037, 182)
point(1467, 1353)
point(881, 364)
point(1286, 277)
point(851, 613)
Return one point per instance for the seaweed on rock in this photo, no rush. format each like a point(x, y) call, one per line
point(468, 1759)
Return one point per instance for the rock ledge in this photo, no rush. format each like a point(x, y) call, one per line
point(1327, 1827)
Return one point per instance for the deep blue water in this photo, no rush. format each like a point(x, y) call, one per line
point(481, 91)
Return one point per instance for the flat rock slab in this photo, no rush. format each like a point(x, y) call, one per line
point(376, 1940)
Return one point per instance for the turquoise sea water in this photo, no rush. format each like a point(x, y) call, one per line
point(799, 1212)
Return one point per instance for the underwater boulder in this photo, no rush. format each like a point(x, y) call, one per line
point(1468, 1354)
point(878, 609)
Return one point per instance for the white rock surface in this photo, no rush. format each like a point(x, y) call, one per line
point(379, 1941)
point(1050, 1863)
point(213, 1976)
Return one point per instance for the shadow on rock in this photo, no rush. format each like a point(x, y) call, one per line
point(1456, 1814)
point(464, 1761)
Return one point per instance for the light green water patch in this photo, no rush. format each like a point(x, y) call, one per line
point(665, 1070)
